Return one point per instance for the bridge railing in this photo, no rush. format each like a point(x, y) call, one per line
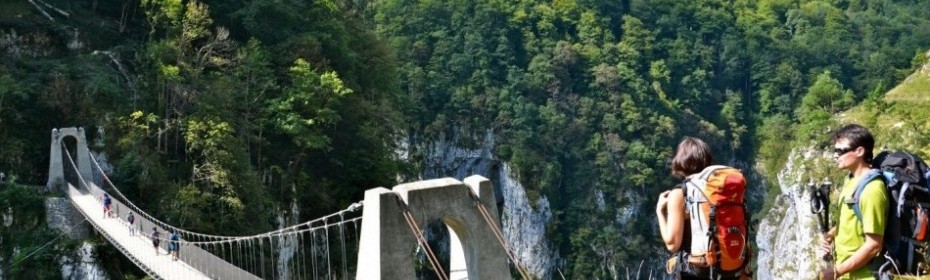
point(202, 260)
point(74, 191)
point(311, 249)
point(198, 258)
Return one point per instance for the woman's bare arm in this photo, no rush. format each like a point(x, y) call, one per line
point(670, 211)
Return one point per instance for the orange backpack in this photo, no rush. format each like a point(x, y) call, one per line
point(717, 213)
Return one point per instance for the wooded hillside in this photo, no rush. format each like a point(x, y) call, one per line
point(218, 114)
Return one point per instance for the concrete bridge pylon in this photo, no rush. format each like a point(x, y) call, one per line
point(386, 249)
point(56, 172)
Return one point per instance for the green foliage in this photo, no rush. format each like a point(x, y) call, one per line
point(826, 94)
point(824, 98)
point(31, 247)
point(913, 89)
point(734, 116)
point(781, 94)
point(137, 127)
point(307, 106)
point(163, 14)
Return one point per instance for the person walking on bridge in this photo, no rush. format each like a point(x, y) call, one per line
point(106, 205)
point(131, 221)
point(174, 244)
point(156, 239)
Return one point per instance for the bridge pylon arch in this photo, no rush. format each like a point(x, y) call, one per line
point(56, 171)
point(387, 245)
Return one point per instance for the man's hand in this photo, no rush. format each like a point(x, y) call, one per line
point(827, 273)
point(826, 243)
point(826, 246)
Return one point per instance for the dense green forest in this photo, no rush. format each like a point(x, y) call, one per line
point(231, 110)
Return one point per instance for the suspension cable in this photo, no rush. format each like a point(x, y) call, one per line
point(302, 257)
point(45, 245)
point(329, 265)
point(313, 252)
point(351, 208)
point(219, 240)
point(412, 224)
point(483, 211)
point(342, 238)
point(261, 253)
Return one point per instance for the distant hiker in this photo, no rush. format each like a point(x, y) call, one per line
point(174, 244)
point(155, 239)
point(857, 240)
point(106, 205)
point(683, 212)
point(131, 220)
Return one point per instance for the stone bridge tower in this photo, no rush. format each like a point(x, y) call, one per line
point(386, 248)
point(56, 171)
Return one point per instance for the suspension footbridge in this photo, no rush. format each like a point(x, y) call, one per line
point(375, 238)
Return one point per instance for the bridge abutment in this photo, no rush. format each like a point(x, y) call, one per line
point(386, 249)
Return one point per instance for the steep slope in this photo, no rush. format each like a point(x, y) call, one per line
point(915, 88)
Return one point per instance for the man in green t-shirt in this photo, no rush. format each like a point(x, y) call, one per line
point(857, 241)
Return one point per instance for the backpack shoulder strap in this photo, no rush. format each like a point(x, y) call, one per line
point(869, 176)
point(684, 195)
point(709, 170)
point(697, 181)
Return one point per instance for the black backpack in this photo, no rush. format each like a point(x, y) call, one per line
point(906, 181)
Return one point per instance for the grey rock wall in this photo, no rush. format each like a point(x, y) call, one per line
point(788, 237)
point(85, 267)
point(524, 226)
point(60, 214)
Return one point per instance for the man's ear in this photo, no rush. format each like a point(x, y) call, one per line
point(860, 151)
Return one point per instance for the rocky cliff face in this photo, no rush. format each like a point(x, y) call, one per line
point(523, 222)
point(85, 267)
point(788, 236)
point(524, 225)
point(61, 215)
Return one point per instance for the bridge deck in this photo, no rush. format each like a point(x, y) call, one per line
point(138, 247)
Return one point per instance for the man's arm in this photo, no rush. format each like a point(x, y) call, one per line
point(871, 248)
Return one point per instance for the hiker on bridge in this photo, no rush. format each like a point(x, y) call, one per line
point(106, 206)
point(131, 221)
point(174, 244)
point(156, 239)
point(855, 241)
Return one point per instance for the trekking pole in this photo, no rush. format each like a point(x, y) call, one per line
point(820, 206)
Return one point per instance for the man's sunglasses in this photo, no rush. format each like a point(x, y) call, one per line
point(842, 151)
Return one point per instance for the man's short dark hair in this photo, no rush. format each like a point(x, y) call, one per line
point(858, 136)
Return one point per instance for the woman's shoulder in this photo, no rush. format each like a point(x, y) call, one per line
point(675, 193)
